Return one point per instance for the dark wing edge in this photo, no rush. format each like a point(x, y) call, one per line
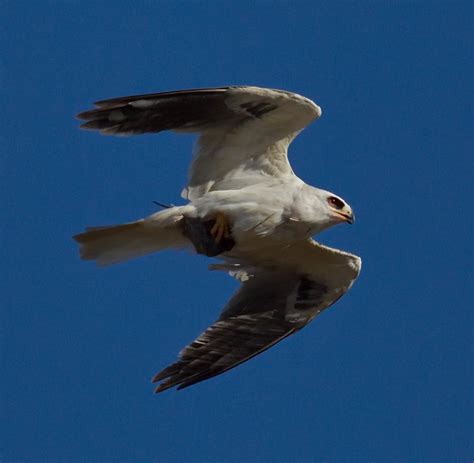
point(113, 102)
point(225, 345)
point(156, 112)
point(195, 110)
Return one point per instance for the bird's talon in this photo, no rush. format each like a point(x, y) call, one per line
point(220, 228)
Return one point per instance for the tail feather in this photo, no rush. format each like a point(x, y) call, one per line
point(118, 243)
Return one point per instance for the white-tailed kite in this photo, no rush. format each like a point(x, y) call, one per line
point(245, 206)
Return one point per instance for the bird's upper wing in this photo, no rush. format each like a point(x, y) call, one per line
point(274, 302)
point(244, 131)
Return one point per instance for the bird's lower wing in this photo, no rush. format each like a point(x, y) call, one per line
point(224, 345)
point(279, 295)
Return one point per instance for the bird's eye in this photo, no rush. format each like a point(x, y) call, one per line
point(335, 202)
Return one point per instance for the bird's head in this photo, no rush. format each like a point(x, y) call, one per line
point(328, 209)
point(338, 209)
point(322, 209)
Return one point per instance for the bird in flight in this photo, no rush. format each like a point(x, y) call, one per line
point(245, 206)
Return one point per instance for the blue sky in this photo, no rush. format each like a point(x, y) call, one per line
point(384, 375)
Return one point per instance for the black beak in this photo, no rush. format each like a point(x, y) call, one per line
point(350, 218)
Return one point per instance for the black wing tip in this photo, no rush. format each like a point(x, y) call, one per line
point(161, 388)
point(102, 116)
point(169, 384)
point(102, 104)
point(84, 115)
point(182, 383)
point(173, 376)
point(160, 376)
point(166, 376)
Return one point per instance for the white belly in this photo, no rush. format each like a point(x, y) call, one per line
point(255, 213)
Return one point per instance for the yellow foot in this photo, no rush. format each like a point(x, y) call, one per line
point(220, 228)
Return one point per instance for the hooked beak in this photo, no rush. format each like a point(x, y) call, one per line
point(346, 216)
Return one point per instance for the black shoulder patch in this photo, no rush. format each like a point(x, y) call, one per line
point(309, 294)
point(258, 109)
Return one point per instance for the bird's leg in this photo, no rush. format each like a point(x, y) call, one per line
point(210, 237)
point(220, 228)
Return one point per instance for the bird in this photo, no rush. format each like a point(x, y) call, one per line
point(244, 206)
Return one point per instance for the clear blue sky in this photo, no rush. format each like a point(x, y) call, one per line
point(383, 376)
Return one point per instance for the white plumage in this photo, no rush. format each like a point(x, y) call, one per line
point(246, 206)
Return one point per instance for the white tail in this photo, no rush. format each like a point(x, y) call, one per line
point(118, 243)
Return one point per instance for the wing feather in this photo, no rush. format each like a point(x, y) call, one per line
point(224, 345)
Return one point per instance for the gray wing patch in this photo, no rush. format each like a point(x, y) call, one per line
point(190, 111)
point(187, 110)
point(225, 345)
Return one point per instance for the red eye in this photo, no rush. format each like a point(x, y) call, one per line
point(335, 202)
